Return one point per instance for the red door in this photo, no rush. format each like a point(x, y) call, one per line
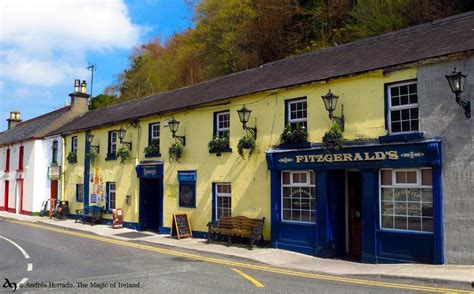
point(5, 199)
point(54, 194)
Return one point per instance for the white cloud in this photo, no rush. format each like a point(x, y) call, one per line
point(45, 42)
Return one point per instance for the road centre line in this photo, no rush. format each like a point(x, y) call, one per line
point(30, 267)
point(17, 246)
point(23, 281)
point(251, 279)
point(246, 265)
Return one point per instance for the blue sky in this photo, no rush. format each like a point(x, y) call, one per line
point(45, 45)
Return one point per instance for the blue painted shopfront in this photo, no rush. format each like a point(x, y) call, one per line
point(327, 235)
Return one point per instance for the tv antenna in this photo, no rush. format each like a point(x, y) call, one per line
point(92, 67)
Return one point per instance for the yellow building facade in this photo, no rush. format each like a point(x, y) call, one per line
point(249, 178)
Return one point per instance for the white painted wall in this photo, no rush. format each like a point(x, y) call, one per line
point(36, 185)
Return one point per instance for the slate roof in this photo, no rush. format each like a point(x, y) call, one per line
point(34, 128)
point(435, 39)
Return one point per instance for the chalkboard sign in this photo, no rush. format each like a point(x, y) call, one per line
point(181, 227)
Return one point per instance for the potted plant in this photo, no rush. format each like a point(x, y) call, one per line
point(92, 156)
point(246, 142)
point(176, 151)
point(153, 149)
point(123, 153)
point(72, 157)
point(294, 135)
point(332, 139)
point(218, 145)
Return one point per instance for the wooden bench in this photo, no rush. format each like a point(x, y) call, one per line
point(239, 226)
point(92, 214)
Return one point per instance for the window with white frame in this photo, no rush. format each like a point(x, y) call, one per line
point(222, 124)
point(223, 200)
point(403, 108)
point(406, 199)
point(297, 112)
point(298, 196)
point(111, 196)
point(112, 146)
point(154, 131)
point(74, 144)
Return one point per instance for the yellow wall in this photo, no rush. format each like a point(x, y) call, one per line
point(363, 99)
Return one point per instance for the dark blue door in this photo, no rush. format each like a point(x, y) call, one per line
point(151, 204)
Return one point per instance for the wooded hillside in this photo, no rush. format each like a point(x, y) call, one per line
point(234, 35)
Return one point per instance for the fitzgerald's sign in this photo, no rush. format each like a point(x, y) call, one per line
point(347, 157)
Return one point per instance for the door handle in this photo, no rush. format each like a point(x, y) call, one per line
point(357, 214)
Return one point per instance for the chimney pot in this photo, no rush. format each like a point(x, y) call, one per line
point(14, 119)
point(77, 85)
point(84, 86)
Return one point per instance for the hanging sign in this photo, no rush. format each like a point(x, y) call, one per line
point(181, 228)
point(54, 172)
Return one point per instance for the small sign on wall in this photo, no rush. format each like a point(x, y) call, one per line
point(54, 172)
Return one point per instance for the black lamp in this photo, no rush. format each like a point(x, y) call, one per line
point(121, 134)
point(174, 125)
point(244, 116)
point(456, 81)
point(330, 102)
point(90, 138)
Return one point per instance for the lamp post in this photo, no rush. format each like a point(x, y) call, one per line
point(244, 116)
point(330, 102)
point(456, 81)
point(174, 125)
point(121, 134)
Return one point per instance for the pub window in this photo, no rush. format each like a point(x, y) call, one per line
point(112, 146)
point(111, 196)
point(223, 200)
point(406, 199)
point(79, 192)
point(74, 144)
point(296, 112)
point(403, 108)
point(298, 193)
point(222, 124)
point(187, 188)
point(154, 138)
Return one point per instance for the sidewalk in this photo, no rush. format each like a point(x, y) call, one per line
point(276, 257)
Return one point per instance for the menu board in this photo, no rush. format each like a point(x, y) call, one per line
point(181, 227)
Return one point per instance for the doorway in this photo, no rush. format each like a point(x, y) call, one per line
point(54, 194)
point(151, 204)
point(354, 215)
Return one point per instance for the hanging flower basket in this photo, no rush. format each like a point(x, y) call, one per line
point(72, 157)
point(332, 139)
point(176, 151)
point(246, 142)
point(123, 153)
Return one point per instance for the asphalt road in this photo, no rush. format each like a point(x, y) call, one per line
point(65, 262)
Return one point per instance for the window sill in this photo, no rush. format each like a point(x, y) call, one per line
point(152, 155)
point(111, 157)
point(224, 150)
point(294, 146)
point(404, 137)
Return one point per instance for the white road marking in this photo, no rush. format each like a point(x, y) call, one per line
point(30, 267)
point(17, 246)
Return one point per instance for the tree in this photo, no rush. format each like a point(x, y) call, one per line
point(102, 100)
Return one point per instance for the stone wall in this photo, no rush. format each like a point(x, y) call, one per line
point(441, 117)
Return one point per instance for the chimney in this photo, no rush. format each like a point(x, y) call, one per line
point(14, 119)
point(80, 98)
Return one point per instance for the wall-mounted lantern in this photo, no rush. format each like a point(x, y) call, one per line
point(330, 102)
point(121, 134)
point(244, 116)
point(456, 82)
point(90, 138)
point(174, 125)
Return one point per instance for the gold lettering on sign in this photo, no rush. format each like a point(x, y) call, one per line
point(344, 157)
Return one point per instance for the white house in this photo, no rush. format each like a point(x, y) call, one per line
point(30, 162)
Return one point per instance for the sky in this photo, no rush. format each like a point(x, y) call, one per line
point(45, 45)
